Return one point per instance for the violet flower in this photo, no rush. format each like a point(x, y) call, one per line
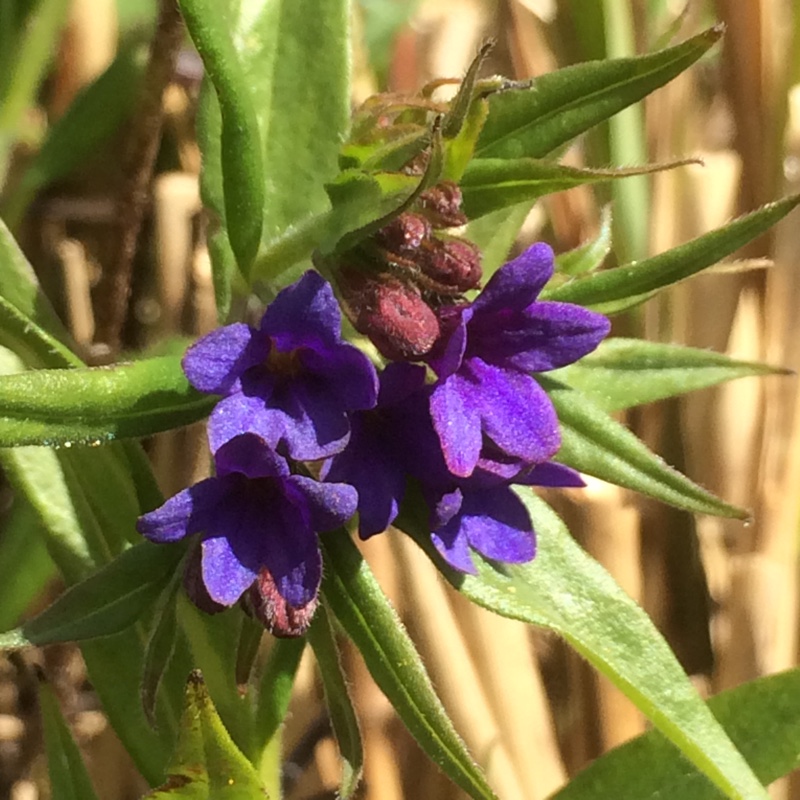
point(254, 516)
point(396, 441)
point(291, 381)
point(485, 389)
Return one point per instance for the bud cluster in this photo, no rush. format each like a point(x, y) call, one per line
point(394, 284)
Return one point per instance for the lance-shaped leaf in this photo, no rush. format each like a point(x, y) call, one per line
point(617, 289)
point(587, 257)
point(567, 591)
point(95, 405)
point(762, 718)
point(69, 779)
point(556, 107)
point(490, 184)
point(212, 27)
point(594, 443)
point(623, 373)
point(354, 596)
point(337, 698)
point(105, 603)
point(207, 765)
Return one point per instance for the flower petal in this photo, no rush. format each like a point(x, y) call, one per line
point(305, 311)
point(250, 455)
point(239, 414)
point(547, 336)
point(516, 413)
point(448, 352)
point(329, 504)
point(183, 514)
point(315, 425)
point(224, 575)
point(453, 547)
point(348, 372)
point(374, 472)
point(517, 284)
point(553, 475)
point(498, 526)
point(457, 423)
point(214, 363)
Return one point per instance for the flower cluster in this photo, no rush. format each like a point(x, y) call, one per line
point(465, 424)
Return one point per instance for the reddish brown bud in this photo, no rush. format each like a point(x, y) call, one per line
point(394, 316)
point(441, 204)
point(404, 234)
point(264, 603)
point(451, 262)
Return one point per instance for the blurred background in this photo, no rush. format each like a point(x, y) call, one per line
point(723, 593)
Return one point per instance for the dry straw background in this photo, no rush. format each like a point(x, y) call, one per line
point(724, 594)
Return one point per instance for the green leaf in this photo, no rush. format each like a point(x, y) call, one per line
point(207, 764)
point(593, 443)
point(94, 115)
point(160, 645)
point(104, 603)
point(587, 257)
point(69, 779)
point(617, 289)
point(214, 643)
point(556, 107)
point(623, 373)
point(27, 320)
point(213, 26)
point(19, 81)
point(95, 405)
point(490, 184)
point(761, 717)
point(354, 596)
point(25, 565)
point(567, 591)
point(275, 688)
point(337, 698)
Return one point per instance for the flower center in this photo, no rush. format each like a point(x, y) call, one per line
point(283, 363)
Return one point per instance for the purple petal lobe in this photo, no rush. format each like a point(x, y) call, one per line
point(457, 423)
point(550, 335)
point(214, 363)
point(454, 548)
point(497, 525)
point(553, 475)
point(349, 373)
point(183, 514)
point(448, 352)
point(250, 455)
point(518, 283)
point(445, 508)
point(305, 311)
point(240, 414)
point(224, 575)
point(329, 504)
point(515, 411)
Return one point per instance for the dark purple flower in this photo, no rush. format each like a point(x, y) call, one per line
point(254, 515)
point(485, 391)
point(396, 440)
point(291, 381)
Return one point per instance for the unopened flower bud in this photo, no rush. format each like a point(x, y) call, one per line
point(393, 314)
point(441, 204)
point(451, 262)
point(264, 603)
point(404, 234)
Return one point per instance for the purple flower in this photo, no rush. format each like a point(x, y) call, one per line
point(396, 440)
point(254, 516)
point(485, 391)
point(291, 381)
